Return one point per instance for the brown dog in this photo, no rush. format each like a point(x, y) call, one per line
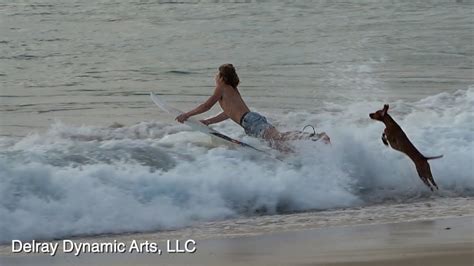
point(399, 141)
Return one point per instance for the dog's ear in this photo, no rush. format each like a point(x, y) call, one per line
point(385, 108)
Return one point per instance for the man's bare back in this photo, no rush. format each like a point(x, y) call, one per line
point(232, 103)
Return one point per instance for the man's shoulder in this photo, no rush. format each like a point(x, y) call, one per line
point(227, 88)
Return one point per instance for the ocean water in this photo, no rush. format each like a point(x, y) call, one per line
point(84, 151)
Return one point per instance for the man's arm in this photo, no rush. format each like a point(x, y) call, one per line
point(216, 119)
point(203, 107)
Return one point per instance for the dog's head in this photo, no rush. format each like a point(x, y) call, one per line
point(380, 114)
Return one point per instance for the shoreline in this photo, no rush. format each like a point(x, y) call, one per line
point(376, 214)
point(435, 241)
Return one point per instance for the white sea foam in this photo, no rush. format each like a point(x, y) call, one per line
point(152, 176)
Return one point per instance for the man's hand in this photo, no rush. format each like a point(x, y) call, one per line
point(182, 117)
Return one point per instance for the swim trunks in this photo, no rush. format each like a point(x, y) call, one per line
point(254, 124)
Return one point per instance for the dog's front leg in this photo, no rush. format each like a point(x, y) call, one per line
point(384, 139)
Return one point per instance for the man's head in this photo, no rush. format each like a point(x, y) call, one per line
point(380, 114)
point(228, 75)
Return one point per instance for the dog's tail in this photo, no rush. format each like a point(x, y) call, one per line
point(433, 157)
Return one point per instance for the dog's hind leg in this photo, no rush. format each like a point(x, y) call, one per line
point(433, 182)
point(424, 172)
point(429, 175)
point(426, 182)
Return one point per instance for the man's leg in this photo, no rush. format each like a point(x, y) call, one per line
point(276, 140)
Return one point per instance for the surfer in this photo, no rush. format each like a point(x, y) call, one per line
point(234, 107)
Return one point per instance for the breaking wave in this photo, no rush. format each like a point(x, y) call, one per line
point(89, 180)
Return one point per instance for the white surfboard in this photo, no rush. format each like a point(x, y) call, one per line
point(196, 124)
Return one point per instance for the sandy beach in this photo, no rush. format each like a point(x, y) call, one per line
point(448, 241)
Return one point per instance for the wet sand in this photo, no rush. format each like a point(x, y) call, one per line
point(447, 241)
